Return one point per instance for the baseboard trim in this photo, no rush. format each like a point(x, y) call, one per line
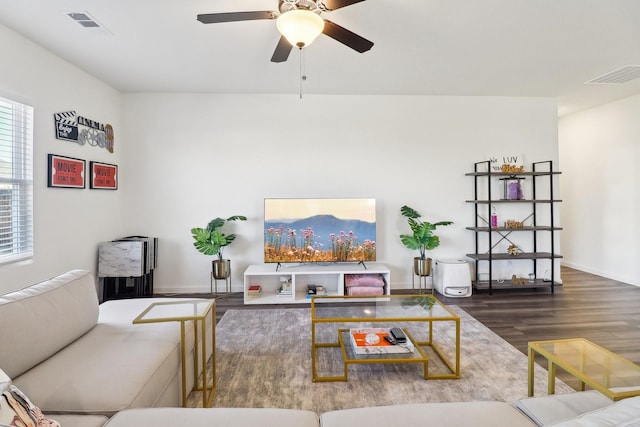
point(193, 290)
point(601, 273)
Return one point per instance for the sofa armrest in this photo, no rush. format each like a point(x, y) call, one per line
point(551, 409)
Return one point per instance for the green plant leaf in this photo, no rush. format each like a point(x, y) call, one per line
point(423, 238)
point(409, 241)
point(215, 223)
point(409, 212)
point(211, 240)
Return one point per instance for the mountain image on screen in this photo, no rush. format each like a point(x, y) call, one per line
point(319, 238)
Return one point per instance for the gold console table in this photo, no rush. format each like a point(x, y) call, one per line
point(196, 311)
point(594, 366)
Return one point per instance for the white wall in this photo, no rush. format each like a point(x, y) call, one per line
point(186, 158)
point(68, 223)
point(599, 154)
point(193, 157)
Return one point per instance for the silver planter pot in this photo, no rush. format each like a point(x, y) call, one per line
point(422, 267)
point(221, 268)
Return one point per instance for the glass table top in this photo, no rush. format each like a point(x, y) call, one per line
point(381, 308)
point(171, 311)
point(591, 362)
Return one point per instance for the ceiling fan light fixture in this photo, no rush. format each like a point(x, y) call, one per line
point(300, 27)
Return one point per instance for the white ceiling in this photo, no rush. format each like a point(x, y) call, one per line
point(533, 48)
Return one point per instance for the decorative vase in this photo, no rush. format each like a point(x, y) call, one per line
point(221, 268)
point(422, 267)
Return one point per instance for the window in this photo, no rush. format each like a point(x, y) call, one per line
point(16, 181)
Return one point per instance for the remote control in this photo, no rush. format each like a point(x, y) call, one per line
point(398, 335)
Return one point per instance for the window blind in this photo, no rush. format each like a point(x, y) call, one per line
point(16, 181)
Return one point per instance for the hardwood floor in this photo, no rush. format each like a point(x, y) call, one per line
point(601, 310)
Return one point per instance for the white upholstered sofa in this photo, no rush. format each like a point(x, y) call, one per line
point(87, 365)
point(581, 409)
point(71, 355)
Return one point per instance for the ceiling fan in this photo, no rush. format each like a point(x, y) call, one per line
point(299, 22)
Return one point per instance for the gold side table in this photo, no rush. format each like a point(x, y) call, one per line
point(196, 311)
point(594, 366)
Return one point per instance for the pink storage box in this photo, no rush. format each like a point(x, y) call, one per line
point(364, 284)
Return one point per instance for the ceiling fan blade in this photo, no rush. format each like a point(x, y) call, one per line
point(346, 37)
point(337, 4)
point(214, 18)
point(283, 49)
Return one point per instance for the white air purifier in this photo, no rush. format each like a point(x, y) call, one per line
point(452, 277)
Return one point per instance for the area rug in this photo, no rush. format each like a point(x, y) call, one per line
point(264, 360)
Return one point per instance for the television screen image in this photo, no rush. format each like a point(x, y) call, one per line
point(319, 230)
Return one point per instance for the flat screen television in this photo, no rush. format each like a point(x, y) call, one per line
point(319, 230)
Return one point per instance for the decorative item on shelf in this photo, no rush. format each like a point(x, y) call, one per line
point(513, 250)
point(512, 223)
point(212, 241)
point(512, 189)
point(494, 217)
point(285, 289)
point(377, 341)
point(313, 290)
point(422, 239)
point(518, 280)
point(507, 168)
point(254, 290)
point(532, 277)
point(285, 284)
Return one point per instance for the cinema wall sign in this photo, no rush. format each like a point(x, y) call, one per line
point(74, 128)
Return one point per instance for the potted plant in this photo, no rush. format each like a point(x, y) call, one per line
point(212, 241)
point(422, 239)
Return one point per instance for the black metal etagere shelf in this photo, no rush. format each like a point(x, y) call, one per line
point(484, 176)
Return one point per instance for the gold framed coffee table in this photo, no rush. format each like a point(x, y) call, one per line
point(594, 366)
point(197, 312)
point(410, 312)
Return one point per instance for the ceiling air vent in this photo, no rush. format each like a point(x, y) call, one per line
point(84, 19)
point(618, 76)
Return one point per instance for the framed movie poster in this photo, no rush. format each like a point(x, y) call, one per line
point(65, 172)
point(103, 176)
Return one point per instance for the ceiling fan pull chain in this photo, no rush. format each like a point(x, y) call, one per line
point(302, 76)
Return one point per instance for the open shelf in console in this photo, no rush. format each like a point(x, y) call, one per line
point(331, 277)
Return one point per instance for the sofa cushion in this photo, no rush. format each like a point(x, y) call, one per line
point(44, 318)
point(624, 413)
point(125, 310)
point(69, 420)
point(210, 417)
point(547, 410)
point(17, 409)
point(115, 366)
point(451, 414)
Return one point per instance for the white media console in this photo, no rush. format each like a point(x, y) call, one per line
point(330, 277)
